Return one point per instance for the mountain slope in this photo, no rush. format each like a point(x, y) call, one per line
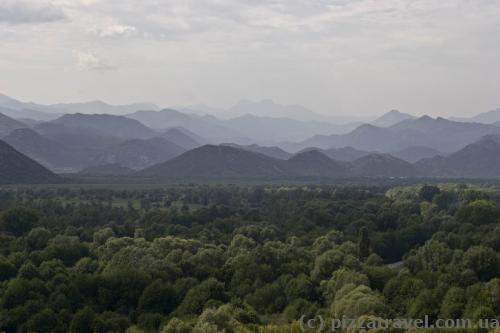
point(16, 168)
point(77, 138)
point(268, 108)
point(116, 126)
point(365, 137)
point(270, 129)
point(480, 159)
point(489, 117)
point(213, 162)
point(28, 114)
point(206, 126)
point(7, 125)
point(106, 170)
point(416, 153)
point(47, 152)
point(381, 165)
point(441, 134)
point(274, 152)
point(345, 154)
point(315, 164)
point(139, 154)
point(182, 138)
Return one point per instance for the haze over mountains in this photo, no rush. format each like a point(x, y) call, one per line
point(251, 140)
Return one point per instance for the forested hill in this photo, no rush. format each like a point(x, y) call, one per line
point(201, 259)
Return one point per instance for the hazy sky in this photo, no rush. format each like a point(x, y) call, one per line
point(338, 57)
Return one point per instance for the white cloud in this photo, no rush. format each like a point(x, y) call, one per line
point(114, 30)
point(29, 11)
point(88, 60)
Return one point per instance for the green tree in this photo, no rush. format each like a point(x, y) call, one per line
point(426, 304)
point(197, 297)
point(453, 303)
point(175, 325)
point(69, 249)
point(46, 321)
point(215, 320)
point(478, 212)
point(355, 301)
point(38, 238)
point(7, 270)
point(482, 260)
point(83, 321)
point(363, 244)
point(19, 220)
point(158, 297)
point(428, 192)
point(326, 264)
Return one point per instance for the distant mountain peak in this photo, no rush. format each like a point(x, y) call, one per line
point(391, 118)
point(394, 112)
point(366, 128)
point(426, 118)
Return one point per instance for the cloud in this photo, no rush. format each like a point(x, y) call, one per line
point(114, 30)
point(87, 60)
point(224, 50)
point(26, 11)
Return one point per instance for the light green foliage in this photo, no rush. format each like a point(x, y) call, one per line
point(215, 321)
point(478, 212)
point(354, 301)
point(176, 325)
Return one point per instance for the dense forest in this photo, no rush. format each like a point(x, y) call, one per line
point(221, 258)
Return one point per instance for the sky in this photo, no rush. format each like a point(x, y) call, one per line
point(336, 57)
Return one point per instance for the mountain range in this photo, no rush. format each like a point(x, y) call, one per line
point(477, 160)
point(220, 162)
point(247, 145)
point(269, 109)
point(439, 133)
point(42, 112)
point(488, 117)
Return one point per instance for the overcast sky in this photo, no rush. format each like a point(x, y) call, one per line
point(338, 57)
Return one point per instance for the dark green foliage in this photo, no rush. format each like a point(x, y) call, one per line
point(19, 220)
point(363, 243)
point(205, 258)
point(158, 297)
point(428, 192)
point(197, 297)
point(83, 321)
